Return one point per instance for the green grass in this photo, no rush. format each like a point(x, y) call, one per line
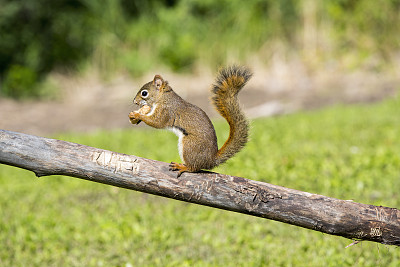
point(347, 152)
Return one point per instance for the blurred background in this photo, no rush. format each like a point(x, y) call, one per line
point(84, 60)
point(324, 106)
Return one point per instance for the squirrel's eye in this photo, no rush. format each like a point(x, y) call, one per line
point(144, 93)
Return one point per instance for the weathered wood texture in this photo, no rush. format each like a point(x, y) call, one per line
point(352, 220)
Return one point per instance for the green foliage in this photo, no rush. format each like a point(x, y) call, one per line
point(138, 35)
point(212, 33)
point(366, 26)
point(342, 152)
point(38, 36)
point(19, 82)
point(208, 32)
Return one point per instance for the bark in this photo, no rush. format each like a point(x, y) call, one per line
point(328, 215)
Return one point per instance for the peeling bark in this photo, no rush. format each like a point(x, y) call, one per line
point(328, 215)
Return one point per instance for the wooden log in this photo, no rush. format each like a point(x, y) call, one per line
point(328, 215)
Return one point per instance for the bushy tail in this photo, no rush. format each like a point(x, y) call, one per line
point(229, 82)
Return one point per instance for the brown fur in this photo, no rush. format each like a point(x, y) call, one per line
point(228, 84)
point(198, 140)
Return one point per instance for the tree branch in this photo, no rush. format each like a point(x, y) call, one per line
point(328, 215)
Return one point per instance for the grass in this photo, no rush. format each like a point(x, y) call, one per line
point(347, 152)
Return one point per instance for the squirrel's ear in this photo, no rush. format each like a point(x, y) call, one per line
point(158, 81)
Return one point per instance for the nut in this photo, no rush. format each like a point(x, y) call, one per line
point(144, 110)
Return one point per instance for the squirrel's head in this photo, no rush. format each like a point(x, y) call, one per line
point(151, 91)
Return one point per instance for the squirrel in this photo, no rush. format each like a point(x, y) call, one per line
point(162, 108)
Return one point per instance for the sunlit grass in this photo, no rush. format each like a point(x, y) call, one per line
point(347, 152)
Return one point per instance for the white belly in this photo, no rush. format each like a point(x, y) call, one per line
point(180, 135)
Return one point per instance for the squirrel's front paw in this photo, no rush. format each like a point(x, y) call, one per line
point(134, 117)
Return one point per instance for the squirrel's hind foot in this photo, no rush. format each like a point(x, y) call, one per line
point(181, 168)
